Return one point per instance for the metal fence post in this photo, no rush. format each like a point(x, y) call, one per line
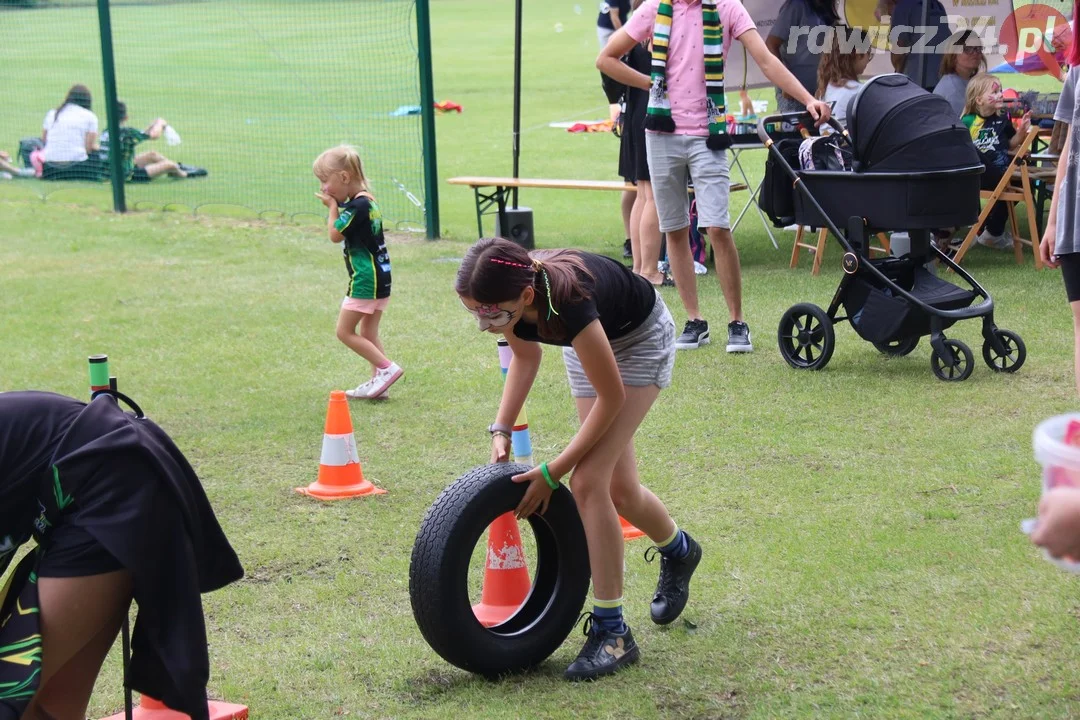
point(427, 118)
point(116, 167)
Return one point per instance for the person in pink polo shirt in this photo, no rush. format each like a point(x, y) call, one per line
point(686, 133)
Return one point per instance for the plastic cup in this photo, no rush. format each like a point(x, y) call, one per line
point(1060, 468)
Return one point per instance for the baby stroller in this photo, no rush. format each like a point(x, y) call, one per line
point(915, 169)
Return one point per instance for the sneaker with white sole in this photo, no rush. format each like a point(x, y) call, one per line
point(995, 242)
point(384, 378)
point(694, 335)
point(360, 392)
point(738, 337)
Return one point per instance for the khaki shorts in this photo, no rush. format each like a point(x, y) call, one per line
point(673, 160)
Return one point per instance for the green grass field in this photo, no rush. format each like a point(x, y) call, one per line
point(863, 556)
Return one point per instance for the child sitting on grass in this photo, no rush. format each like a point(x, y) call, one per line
point(994, 136)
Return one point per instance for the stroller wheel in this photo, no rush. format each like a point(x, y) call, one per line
point(1015, 352)
point(960, 368)
point(898, 348)
point(806, 337)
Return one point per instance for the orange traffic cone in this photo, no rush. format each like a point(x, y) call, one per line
point(506, 579)
point(629, 532)
point(151, 709)
point(340, 474)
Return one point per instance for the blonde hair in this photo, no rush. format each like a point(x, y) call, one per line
point(837, 67)
point(977, 87)
point(342, 158)
point(954, 48)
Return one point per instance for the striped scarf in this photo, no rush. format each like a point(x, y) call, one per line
point(658, 116)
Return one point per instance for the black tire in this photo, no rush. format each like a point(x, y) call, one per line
point(806, 337)
point(898, 348)
point(963, 362)
point(438, 575)
point(1015, 352)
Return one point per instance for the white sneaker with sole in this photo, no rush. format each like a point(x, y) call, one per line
point(361, 392)
point(384, 378)
point(996, 242)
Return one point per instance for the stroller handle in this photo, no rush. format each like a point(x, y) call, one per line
point(801, 119)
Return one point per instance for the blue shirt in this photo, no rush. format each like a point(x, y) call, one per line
point(604, 20)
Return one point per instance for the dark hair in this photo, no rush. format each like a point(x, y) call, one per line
point(77, 95)
point(826, 10)
point(496, 270)
point(121, 109)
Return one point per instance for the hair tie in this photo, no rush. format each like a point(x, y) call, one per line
point(511, 263)
point(547, 283)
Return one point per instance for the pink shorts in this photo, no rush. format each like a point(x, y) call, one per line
point(366, 306)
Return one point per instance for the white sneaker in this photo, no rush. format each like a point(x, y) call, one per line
point(384, 378)
point(361, 392)
point(996, 242)
point(25, 173)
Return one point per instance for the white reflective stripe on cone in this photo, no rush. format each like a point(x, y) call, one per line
point(339, 450)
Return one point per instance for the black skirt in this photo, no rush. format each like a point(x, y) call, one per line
point(118, 489)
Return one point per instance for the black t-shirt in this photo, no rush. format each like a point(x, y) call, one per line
point(32, 424)
point(621, 299)
point(366, 257)
point(604, 20)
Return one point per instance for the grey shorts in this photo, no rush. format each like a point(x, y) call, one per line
point(671, 159)
point(645, 357)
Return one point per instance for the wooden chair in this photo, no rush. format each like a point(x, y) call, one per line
point(1014, 187)
point(819, 249)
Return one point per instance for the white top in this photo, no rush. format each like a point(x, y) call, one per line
point(65, 140)
point(839, 97)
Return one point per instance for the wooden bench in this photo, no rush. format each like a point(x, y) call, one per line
point(501, 188)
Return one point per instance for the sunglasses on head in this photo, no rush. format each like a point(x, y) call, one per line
point(490, 315)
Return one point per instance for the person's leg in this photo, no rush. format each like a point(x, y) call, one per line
point(649, 234)
point(369, 330)
point(626, 207)
point(1076, 342)
point(728, 270)
point(712, 184)
point(635, 233)
point(348, 320)
point(164, 167)
point(146, 158)
point(80, 618)
point(591, 485)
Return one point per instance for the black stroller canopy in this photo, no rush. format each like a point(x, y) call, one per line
point(896, 126)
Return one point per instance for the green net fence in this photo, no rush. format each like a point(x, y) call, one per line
point(253, 90)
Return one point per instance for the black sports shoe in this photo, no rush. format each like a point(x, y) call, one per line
point(604, 652)
point(627, 251)
point(738, 337)
point(673, 589)
point(694, 335)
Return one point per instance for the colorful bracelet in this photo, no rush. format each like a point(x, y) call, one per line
point(547, 476)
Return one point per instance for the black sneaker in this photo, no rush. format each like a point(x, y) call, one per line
point(673, 589)
point(738, 337)
point(694, 335)
point(627, 251)
point(605, 652)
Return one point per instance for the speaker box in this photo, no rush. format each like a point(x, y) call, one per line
point(519, 227)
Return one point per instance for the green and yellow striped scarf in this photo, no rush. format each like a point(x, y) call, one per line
point(658, 116)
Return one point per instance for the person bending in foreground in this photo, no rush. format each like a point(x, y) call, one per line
point(618, 345)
